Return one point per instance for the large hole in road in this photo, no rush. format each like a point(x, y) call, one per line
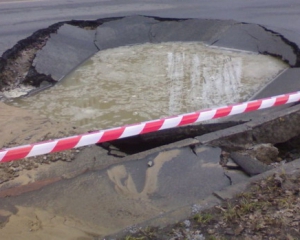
point(131, 84)
point(153, 80)
point(146, 68)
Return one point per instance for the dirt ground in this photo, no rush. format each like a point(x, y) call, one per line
point(20, 127)
point(35, 224)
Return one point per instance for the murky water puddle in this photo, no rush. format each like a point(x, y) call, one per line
point(138, 83)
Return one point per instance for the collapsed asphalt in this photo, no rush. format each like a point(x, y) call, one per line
point(77, 44)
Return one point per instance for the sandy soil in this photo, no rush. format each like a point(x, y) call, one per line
point(34, 224)
point(19, 127)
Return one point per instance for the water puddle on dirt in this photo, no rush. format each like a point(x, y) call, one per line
point(138, 83)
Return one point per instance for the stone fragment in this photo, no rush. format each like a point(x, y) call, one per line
point(249, 164)
point(150, 164)
point(266, 153)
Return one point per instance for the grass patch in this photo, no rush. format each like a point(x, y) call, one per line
point(203, 217)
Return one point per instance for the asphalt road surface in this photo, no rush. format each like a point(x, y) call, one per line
point(19, 19)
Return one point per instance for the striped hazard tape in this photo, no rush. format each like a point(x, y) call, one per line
point(11, 154)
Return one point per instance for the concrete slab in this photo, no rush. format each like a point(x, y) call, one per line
point(198, 30)
point(258, 39)
point(127, 31)
point(65, 50)
point(251, 165)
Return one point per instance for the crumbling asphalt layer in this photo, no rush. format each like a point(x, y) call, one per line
point(14, 73)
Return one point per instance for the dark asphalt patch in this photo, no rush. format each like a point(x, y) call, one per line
point(286, 82)
point(65, 50)
point(254, 38)
point(123, 32)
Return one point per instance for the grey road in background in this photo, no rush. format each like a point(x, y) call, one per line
point(19, 19)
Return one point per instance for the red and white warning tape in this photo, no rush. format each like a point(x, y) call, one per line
point(11, 154)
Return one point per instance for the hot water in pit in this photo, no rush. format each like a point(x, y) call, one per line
point(138, 83)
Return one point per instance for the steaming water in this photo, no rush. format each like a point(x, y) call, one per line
point(138, 83)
